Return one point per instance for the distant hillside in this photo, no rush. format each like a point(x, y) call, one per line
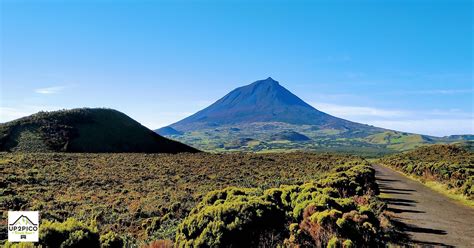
point(399, 140)
point(290, 136)
point(461, 137)
point(83, 130)
point(439, 153)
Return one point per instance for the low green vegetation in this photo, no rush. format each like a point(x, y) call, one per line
point(277, 137)
point(284, 137)
point(449, 165)
point(71, 233)
point(335, 211)
point(399, 141)
point(135, 199)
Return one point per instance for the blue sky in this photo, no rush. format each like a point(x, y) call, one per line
point(405, 65)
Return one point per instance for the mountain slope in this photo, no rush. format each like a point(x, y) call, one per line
point(272, 118)
point(262, 101)
point(265, 116)
point(168, 131)
point(83, 130)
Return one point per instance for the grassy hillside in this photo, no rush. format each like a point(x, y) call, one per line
point(145, 197)
point(450, 165)
point(278, 136)
point(398, 141)
point(83, 130)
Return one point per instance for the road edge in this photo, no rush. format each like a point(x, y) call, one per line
point(436, 187)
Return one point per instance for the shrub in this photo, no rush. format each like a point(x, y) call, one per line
point(232, 216)
point(71, 233)
point(297, 215)
point(19, 245)
point(347, 244)
point(332, 243)
point(111, 240)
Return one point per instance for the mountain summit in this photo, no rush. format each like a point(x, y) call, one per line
point(262, 101)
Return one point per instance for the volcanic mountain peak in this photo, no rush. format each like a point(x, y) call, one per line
point(269, 80)
point(267, 92)
point(262, 101)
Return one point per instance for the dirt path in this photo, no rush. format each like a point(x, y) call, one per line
point(429, 218)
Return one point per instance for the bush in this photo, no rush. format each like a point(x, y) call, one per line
point(304, 215)
point(332, 243)
point(19, 245)
point(71, 233)
point(347, 244)
point(111, 240)
point(232, 216)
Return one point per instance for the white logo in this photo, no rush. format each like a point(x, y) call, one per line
point(23, 226)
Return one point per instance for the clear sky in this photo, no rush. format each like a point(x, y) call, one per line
point(404, 65)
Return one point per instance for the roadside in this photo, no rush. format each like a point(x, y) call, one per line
point(428, 217)
point(442, 189)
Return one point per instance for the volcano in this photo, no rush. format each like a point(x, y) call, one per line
point(262, 101)
point(273, 118)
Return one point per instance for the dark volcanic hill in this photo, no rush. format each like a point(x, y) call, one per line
point(262, 101)
point(84, 130)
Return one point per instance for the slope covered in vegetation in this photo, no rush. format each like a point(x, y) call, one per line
point(399, 141)
point(144, 197)
point(451, 165)
point(83, 130)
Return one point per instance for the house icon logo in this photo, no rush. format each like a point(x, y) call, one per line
point(23, 226)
